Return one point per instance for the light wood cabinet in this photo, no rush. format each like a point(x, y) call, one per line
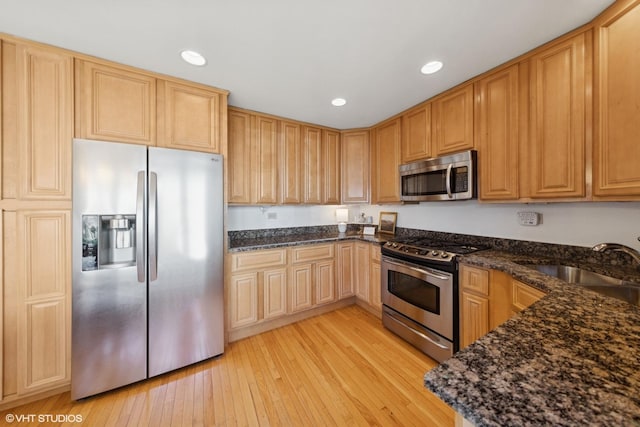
point(291, 163)
point(36, 131)
point(239, 169)
point(312, 276)
point(361, 269)
point(38, 123)
point(355, 166)
point(345, 262)
point(485, 302)
point(331, 169)
point(312, 155)
point(416, 134)
point(115, 104)
point(616, 153)
point(523, 295)
point(43, 299)
point(452, 121)
point(560, 77)
point(257, 287)
point(497, 134)
point(190, 117)
point(266, 161)
point(385, 159)
point(254, 159)
point(375, 278)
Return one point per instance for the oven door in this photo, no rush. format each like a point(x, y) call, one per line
point(420, 293)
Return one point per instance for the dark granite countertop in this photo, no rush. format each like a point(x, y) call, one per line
point(572, 358)
point(279, 241)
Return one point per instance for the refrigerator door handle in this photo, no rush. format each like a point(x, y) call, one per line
point(140, 261)
point(153, 226)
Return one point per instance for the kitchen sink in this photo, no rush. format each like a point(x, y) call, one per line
point(605, 285)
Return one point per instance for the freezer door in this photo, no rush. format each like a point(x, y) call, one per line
point(185, 258)
point(109, 320)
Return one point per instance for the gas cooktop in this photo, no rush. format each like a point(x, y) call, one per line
point(426, 249)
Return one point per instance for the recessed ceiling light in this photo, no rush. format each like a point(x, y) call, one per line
point(431, 67)
point(193, 57)
point(338, 102)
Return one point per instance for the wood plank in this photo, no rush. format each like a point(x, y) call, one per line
point(339, 368)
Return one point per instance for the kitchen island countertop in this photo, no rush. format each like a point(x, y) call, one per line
point(572, 358)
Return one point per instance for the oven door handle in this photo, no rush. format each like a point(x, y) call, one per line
point(448, 180)
point(415, 331)
point(417, 270)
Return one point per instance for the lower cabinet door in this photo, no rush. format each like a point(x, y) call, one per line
point(275, 293)
point(300, 287)
point(243, 300)
point(325, 282)
point(474, 318)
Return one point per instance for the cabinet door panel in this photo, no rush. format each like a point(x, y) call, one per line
point(275, 293)
point(44, 122)
point(291, 152)
point(240, 153)
point(44, 291)
point(617, 151)
point(325, 282)
point(416, 134)
point(385, 162)
point(497, 134)
point(375, 283)
point(267, 167)
point(312, 143)
point(475, 318)
point(557, 125)
point(453, 121)
point(243, 300)
point(300, 287)
point(115, 104)
point(190, 117)
point(331, 170)
point(363, 259)
point(355, 167)
point(345, 270)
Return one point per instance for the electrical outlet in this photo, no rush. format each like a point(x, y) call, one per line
point(529, 218)
point(272, 215)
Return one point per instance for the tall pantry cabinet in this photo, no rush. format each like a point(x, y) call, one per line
point(37, 130)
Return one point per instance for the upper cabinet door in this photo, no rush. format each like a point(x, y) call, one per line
point(497, 134)
point(416, 134)
point(355, 166)
point(331, 172)
point(291, 152)
point(560, 84)
point(189, 117)
point(313, 174)
point(267, 158)
point(385, 159)
point(240, 153)
point(114, 104)
point(453, 121)
point(44, 118)
point(617, 144)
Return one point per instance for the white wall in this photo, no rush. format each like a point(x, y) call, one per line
point(580, 224)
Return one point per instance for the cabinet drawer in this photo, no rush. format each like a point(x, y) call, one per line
point(474, 279)
point(311, 253)
point(523, 295)
point(258, 260)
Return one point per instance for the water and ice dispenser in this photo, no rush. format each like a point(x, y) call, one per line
point(108, 241)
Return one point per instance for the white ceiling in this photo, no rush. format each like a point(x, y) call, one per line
point(291, 57)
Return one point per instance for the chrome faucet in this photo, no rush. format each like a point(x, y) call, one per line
point(617, 247)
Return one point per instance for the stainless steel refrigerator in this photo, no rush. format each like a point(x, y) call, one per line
point(147, 263)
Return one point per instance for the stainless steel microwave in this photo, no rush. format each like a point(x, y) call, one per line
point(451, 177)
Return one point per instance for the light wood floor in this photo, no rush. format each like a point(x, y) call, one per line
point(340, 368)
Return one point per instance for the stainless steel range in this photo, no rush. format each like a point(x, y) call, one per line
point(420, 293)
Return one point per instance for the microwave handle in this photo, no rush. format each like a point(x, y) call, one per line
point(448, 181)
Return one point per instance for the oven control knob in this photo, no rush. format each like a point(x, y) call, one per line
point(434, 253)
point(444, 255)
